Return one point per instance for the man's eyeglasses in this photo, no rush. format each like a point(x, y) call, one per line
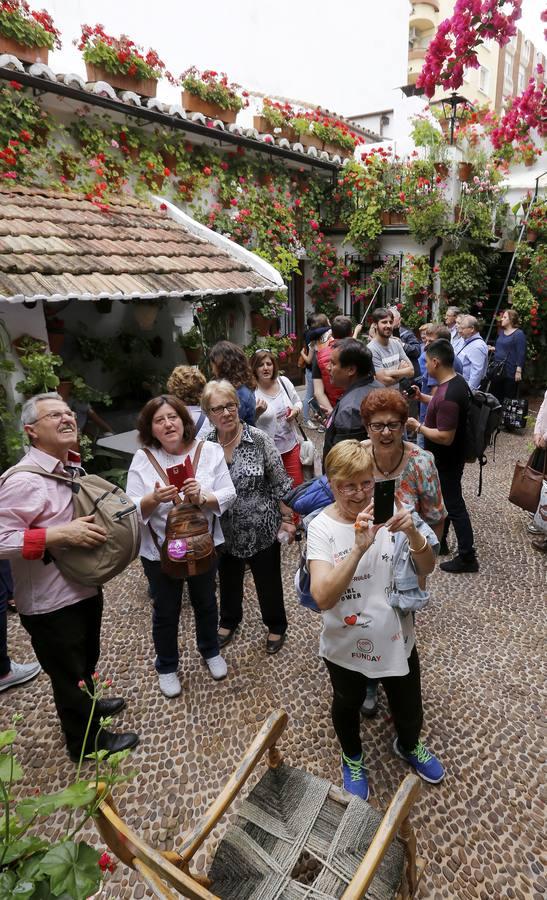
point(380, 426)
point(350, 490)
point(55, 416)
point(229, 407)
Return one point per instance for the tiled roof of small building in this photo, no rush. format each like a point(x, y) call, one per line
point(58, 246)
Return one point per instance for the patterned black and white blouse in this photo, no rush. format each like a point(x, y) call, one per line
point(261, 481)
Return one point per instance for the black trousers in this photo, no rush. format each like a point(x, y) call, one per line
point(67, 644)
point(451, 486)
point(504, 387)
point(266, 568)
point(404, 694)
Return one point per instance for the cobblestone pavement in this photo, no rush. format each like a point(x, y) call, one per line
point(480, 648)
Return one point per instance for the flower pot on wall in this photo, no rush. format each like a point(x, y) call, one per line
point(22, 51)
point(384, 217)
point(191, 103)
point(193, 355)
point(146, 315)
point(531, 236)
point(465, 171)
point(146, 87)
point(261, 324)
point(104, 305)
point(397, 218)
point(441, 169)
point(262, 125)
point(310, 140)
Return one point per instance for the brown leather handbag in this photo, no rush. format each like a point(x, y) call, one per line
point(526, 485)
point(188, 548)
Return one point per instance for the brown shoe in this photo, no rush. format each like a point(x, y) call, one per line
point(540, 544)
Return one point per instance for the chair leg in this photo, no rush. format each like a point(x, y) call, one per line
point(274, 757)
point(407, 836)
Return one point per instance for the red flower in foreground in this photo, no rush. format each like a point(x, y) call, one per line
point(106, 863)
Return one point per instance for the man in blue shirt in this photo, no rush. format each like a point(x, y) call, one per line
point(474, 353)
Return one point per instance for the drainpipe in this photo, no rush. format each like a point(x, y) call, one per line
point(432, 255)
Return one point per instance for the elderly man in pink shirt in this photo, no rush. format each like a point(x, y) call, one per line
point(63, 618)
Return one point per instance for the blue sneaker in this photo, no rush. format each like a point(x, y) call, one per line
point(355, 776)
point(422, 761)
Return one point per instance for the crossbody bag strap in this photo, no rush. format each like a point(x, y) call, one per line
point(163, 475)
point(295, 424)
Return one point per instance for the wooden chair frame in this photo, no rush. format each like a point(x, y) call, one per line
point(155, 867)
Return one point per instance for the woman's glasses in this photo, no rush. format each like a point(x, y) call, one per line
point(351, 490)
point(381, 426)
point(229, 407)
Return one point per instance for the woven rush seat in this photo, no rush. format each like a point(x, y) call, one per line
point(295, 836)
point(292, 841)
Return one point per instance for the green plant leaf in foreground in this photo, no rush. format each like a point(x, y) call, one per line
point(72, 868)
point(6, 772)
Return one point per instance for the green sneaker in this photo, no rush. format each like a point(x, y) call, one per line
point(422, 761)
point(355, 776)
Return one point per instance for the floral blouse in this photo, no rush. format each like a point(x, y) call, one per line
point(418, 486)
point(261, 481)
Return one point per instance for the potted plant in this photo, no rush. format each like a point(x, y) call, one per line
point(80, 389)
point(146, 313)
point(25, 344)
point(301, 124)
point(275, 118)
point(462, 278)
point(26, 33)
point(211, 93)
point(281, 345)
point(119, 61)
point(40, 370)
point(465, 171)
point(265, 311)
point(192, 344)
point(32, 866)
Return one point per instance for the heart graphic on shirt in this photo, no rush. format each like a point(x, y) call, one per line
point(350, 620)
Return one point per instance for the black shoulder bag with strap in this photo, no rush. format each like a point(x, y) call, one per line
point(188, 548)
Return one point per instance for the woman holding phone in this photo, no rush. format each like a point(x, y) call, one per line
point(277, 407)
point(350, 564)
point(167, 431)
point(384, 413)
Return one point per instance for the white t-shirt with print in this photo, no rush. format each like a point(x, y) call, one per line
point(361, 632)
point(273, 421)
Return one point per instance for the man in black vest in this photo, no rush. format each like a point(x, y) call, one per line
point(351, 369)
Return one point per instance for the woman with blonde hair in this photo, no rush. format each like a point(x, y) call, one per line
point(350, 560)
point(187, 383)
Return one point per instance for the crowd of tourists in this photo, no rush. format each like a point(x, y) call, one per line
point(393, 410)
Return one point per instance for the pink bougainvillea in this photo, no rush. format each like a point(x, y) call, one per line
point(454, 47)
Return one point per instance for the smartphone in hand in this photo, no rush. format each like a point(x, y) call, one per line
point(177, 475)
point(384, 501)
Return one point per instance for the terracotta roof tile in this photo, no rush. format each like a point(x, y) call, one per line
point(59, 244)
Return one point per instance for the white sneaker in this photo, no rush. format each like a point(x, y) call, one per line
point(19, 673)
point(217, 667)
point(169, 684)
point(311, 425)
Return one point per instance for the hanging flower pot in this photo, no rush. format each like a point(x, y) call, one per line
point(193, 355)
point(441, 169)
point(146, 87)
point(261, 324)
point(23, 51)
point(531, 236)
point(262, 125)
point(308, 139)
point(25, 344)
point(465, 171)
point(146, 315)
point(169, 160)
point(104, 305)
point(193, 103)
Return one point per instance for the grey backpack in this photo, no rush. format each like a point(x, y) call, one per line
point(113, 510)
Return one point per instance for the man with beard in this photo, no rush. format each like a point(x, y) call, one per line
point(62, 617)
point(391, 363)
